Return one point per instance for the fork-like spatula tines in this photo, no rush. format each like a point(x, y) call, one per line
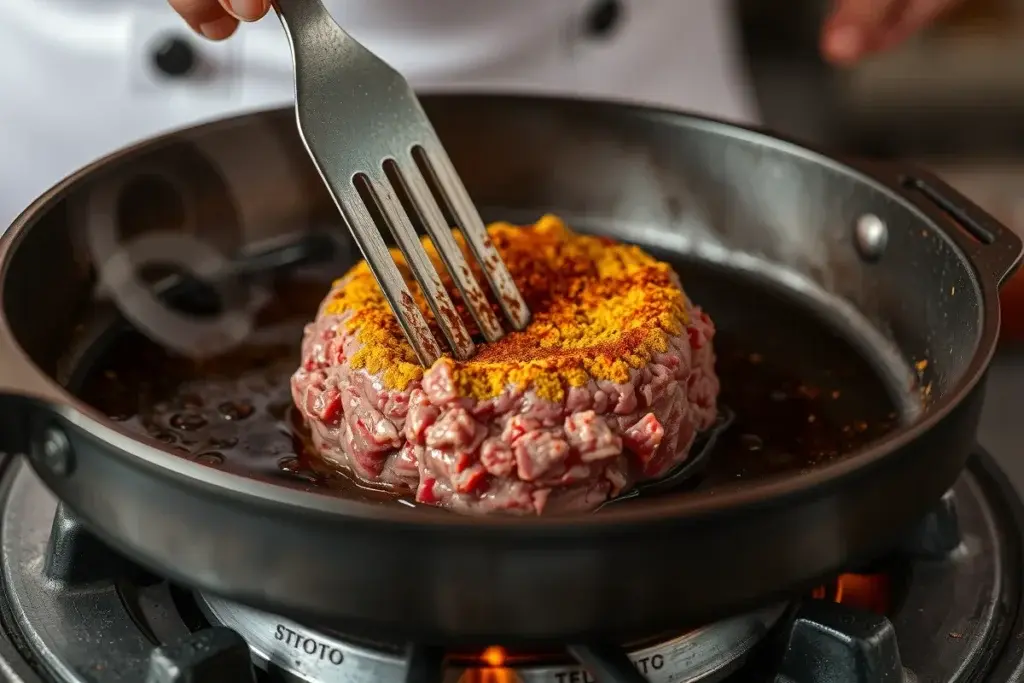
point(382, 161)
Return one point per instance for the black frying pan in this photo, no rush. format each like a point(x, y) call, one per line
point(865, 298)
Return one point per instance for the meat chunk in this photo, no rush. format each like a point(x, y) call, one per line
point(607, 387)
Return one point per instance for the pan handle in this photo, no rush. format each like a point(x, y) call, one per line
point(993, 249)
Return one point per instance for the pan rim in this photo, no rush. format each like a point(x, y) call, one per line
point(695, 505)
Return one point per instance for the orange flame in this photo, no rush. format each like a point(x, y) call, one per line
point(495, 659)
point(869, 592)
point(494, 656)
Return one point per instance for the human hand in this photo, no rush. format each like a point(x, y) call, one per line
point(218, 19)
point(858, 28)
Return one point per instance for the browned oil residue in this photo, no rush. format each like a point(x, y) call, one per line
point(785, 423)
point(800, 394)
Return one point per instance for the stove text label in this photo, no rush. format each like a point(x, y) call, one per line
point(644, 665)
point(309, 646)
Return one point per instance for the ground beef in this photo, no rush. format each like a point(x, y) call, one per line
point(519, 451)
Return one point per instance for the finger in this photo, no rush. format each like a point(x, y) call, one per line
point(198, 12)
point(856, 26)
point(219, 29)
point(206, 17)
point(246, 10)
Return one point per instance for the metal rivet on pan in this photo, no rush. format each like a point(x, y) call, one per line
point(54, 452)
point(871, 237)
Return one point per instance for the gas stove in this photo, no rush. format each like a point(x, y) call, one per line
point(943, 606)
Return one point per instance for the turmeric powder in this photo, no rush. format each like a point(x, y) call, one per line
point(599, 308)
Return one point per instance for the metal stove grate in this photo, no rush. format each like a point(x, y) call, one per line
point(81, 614)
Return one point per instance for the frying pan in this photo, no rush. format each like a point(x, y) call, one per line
point(767, 235)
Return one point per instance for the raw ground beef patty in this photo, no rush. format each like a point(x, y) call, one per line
point(608, 386)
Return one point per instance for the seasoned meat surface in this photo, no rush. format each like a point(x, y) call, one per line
point(607, 387)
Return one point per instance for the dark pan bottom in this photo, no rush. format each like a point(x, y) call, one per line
point(797, 393)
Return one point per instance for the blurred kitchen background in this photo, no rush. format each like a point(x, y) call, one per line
point(956, 88)
point(951, 99)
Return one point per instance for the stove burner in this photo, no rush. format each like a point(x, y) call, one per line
point(74, 611)
point(705, 654)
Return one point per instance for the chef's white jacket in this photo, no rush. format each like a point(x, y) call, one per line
point(80, 78)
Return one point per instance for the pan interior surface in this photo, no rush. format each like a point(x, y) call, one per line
point(802, 391)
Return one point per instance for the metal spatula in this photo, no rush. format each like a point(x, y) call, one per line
point(384, 165)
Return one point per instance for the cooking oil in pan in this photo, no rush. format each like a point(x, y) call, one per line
point(799, 394)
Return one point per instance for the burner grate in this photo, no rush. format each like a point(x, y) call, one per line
point(80, 614)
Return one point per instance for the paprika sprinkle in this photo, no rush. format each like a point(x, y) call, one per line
point(600, 309)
